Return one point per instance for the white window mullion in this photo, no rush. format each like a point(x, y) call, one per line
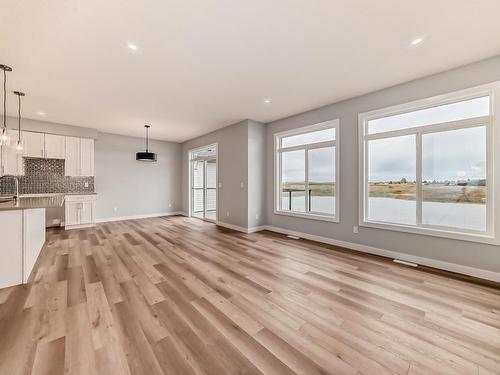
point(306, 155)
point(418, 178)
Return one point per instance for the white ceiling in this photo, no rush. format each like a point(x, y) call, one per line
point(205, 64)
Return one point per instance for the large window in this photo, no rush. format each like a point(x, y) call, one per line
point(426, 167)
point(307, 171)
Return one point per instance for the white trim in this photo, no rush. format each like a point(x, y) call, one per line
point(489, 122)
point(190, 197)
point(232, 226)
point(310, 215)
point(278, 151)
point(241, 229)
point(257, 229)
point(434, 263)
point(141, 216)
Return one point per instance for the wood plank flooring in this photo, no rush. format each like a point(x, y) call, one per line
point(181, 296)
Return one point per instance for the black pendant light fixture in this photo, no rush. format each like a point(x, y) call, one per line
point(4, 136)
point(146, 156)
point(19, 143)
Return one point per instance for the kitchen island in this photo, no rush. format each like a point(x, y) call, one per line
point(22, 235)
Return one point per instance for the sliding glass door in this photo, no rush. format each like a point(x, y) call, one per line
point(203, 188)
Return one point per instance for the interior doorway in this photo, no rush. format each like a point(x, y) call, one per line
point(203, 182)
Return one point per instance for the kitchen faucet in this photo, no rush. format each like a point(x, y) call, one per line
point(16, 196)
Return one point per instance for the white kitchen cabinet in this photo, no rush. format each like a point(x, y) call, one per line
point(72, 158)
point(72, 212)
point(87, 212)
point(79, 211)
point(34, 144)
point(79, 157)
point(54, 146)
point(40, 145)
point(10, 161)
point(86, 157)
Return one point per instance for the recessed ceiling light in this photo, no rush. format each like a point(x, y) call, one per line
point(40, 113)
point(133, 47)
point(417, 41)
point(267, 101)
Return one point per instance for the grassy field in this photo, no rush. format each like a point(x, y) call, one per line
point(317, 189)
point(431, 193)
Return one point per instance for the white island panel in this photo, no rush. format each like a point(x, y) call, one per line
point(34, 238)
point(11, 248)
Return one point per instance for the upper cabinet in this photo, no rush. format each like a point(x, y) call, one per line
point(10, 161)
point(78, 153)
point(40, 145)
point(54, 146)
point(34, 144)
point(79, 156)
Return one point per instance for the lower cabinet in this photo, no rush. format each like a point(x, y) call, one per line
point(79, 211)
point(22, 235)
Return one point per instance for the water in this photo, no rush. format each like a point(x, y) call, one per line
point(321, 204)
point(469, 216)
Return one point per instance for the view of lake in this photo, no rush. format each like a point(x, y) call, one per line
point(460, 215)
point(322, 204)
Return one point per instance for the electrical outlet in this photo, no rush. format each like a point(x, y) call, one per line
point(256, 216)
point(242, 185)
point(220, 184)
point(170, 205)
point(227, 213)
point(115, 209)
point(355, 229)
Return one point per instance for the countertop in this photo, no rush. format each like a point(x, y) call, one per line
point(26, 203)
point(55, 194)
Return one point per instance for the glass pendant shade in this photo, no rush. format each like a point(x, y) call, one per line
point(4, 137)
point(4, 134)
point(19, 147)
point(19, 144)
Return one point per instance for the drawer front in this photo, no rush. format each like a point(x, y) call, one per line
point(79, 198)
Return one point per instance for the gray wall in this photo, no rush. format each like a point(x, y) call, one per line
point(53, 128)
point(136, 188)
point(256, 174)
point(232, 170)
point(454, 251)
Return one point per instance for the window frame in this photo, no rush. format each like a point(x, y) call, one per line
point(330, 124)
point(487, 236)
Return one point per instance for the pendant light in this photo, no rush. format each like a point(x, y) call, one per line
point(19, 143)
point(4, 136)
point(146, 156)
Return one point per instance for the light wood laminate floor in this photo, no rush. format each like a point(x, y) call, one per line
point(181, 296)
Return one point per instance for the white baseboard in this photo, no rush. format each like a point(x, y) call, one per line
point(257, 229)
point(241, 229)
point(232, 226)
point(434, 263)
point(143, 216)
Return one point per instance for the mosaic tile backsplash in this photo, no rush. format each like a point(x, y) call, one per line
point(44, 176)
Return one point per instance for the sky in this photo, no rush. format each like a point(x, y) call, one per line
point(321, 165)
point(452, 155)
